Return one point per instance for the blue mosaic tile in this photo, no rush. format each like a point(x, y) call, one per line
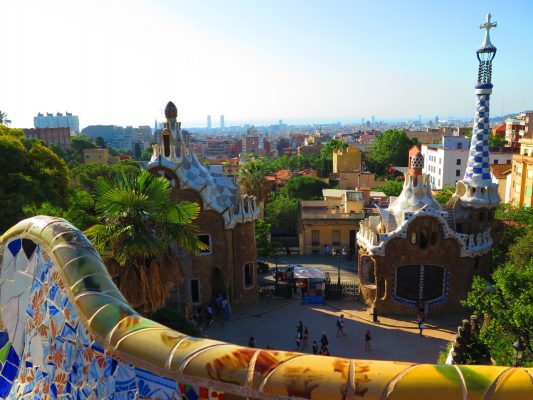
point(9, 371)
point(13, 357)
point(5, 387)
point(14, 247)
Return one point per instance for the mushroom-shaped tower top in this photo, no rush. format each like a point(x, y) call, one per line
point(171, 111)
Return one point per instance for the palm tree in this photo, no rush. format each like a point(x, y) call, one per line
point(252, 180)
point(139, 228)
point(3, 119)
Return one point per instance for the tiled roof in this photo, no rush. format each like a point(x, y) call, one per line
point(500, 171)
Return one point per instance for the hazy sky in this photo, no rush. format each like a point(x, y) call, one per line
point(119, 62)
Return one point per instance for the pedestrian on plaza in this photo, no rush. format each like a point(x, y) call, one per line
point(300, 327)
point(209, 316)
point(368, 339)
point(288, 250)
point(340, 326)
point(421, 325)
point(298, 339)
point(315, 347)
point(324, 350)
point(306, 337)
point(324, 340)
point(251, 342)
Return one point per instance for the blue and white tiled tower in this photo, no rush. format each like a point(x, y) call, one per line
point(477, 189)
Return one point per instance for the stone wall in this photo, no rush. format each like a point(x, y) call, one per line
point(439, 251)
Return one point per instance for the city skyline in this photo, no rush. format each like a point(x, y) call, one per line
point(303, 61)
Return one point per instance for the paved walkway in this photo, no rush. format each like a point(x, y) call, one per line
point(273, 322)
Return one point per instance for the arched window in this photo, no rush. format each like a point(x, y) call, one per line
point(419, 282)
point(368, 272)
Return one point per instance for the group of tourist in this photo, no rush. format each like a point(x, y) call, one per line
point(204, 318)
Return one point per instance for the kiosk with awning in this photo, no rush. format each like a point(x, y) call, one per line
point(311, 281)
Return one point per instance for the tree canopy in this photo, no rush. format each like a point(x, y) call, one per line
point(390, 148)
point(28, 176)
point(391, 188)
point(326, 151)
point(304, 188)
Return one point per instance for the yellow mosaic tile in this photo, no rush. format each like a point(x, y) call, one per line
point(428, 382)
point(108, 317)
point(133, 323)
point(83, 265)
point(266, 362)
point(188, 346)
point(161, 342)
point(479, 379)
point(227, 363)
point(89, 303)
point(517, 384)
point(97, 282)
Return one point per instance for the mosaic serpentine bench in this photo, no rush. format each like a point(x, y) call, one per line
point(67, 332)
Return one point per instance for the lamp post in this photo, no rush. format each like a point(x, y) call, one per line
point(338, 253)
point(518, 351)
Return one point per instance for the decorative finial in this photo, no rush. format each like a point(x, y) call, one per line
point(171, 111)
point(487, 45)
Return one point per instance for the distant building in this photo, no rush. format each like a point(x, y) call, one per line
point(445, 163)
point(521, 126)
point(502, 174)
point(332, 221)
point(99, 156)
point(222, 122)
point(209, 122)
point(57, 136)
point(352, 180)
point(57, 121)
point(346, 160)
point(522, 175)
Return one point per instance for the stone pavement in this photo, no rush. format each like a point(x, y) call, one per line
point(273, 322)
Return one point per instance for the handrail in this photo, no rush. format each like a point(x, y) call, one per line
point(241, 371)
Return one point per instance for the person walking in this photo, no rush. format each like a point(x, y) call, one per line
point(315, 347)
point(251, 342)
point(298, 339)
point(306, 337)
point(340, 326)
point(421, 325)
point(324, 340)
point(368, 339)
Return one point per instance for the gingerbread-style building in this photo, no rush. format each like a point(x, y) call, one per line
point(226, 223)
point(418, 252)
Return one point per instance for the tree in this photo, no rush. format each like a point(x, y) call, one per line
point(326, 152)
point(137, 151)
point(28, 176)
point(100, 142)
point(283, 212)
point(77, 145)
point(304, 188)
point(391, 188)
point(444, 194)
point(497, 141)
point(506, 303)
point(83, 176)
point(3, 119)
point(390, 148)
point(252, 180)
point(515, 222)
point(265, 247)
point(138, 225)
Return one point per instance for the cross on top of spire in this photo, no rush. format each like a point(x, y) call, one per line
point(487, 45)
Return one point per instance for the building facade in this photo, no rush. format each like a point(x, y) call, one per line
point(58, 136)
point(226, 223)
point(330, 222)
point(522, 175)
point(59, 120)
point(416, 253)
point(346, 160)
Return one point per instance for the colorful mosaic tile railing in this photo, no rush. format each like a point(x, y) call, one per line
point(68, 333)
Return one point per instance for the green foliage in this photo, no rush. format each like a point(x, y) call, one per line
point(304, 188)
point(506, 302)
point(137, 151)
point(283, 212)
point(175, 320)
point(252, 179)
point(445, 194)
point(390, 148)
point(517, 222)
point(265, 247)
point(391, 188)
point(79, 209)
point(146, 154)
point(521, 251)
point(326, 152)
point(28, 176)
point(3, 119)
point(443, 355)
point(497, 141)
point(77, 145)
point(84, 176)
point(100, 142)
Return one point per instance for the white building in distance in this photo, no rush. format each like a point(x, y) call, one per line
point(58, 121)
point(445, 163)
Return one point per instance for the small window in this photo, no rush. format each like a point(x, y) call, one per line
point(205, 239)
point(530, 172)
point(315, 238)
point(458, 161)
point(457, 172)
point(336, 239)
point(248, 275)
point(517, 188)
point(195, 291)
point(528, 190)
point(495, 161)
point(459, 147)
